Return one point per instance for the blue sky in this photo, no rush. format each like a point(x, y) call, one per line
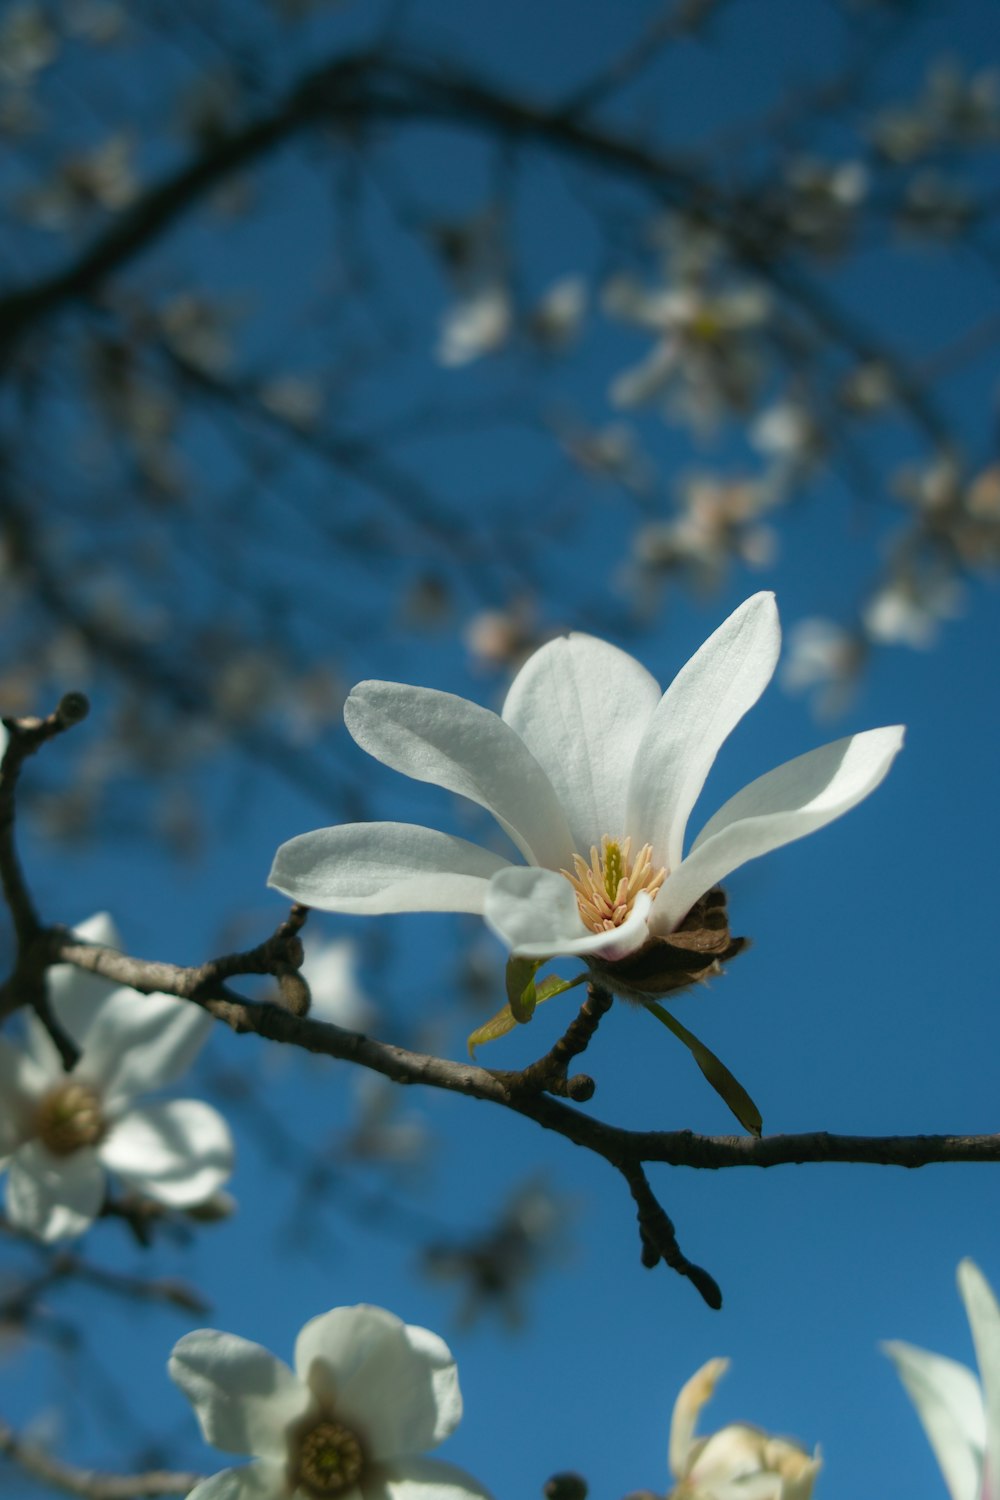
point(866, 1003)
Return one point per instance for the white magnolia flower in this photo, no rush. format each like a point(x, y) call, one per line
point(960, 1414)
point(593, 775)
point(368, 1396)
point(60, 1133)
point(739, 1462)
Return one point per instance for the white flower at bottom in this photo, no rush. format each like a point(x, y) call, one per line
point(60, 1133)
point(738, 1462)
point(369, 1394)
point(960, 1414)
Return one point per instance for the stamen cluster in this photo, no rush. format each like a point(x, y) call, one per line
point(330, 1459)
point(606, 888)
point(69, 1117)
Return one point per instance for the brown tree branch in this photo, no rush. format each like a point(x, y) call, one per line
point(523, 1092)
point(25, 736)
point(89, 1484)
point(361, 90)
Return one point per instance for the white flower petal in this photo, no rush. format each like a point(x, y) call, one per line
point(984, 1320)
point(244, 1398)
point(137, 1043)
point(396, 1385)
point(535, 913)
point(687, 1408)
point(382, 867)
point(179, 1153)
point(421, 1479)
point(22, 1081)
point(54, 1197)
point(950, 1407)
point(794, 799)
point(699, 710)
point(581, 707)
point(452, 743)
point(256, 1481)
point(74, 994)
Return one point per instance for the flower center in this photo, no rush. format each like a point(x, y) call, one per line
point(331, 1458)
point(69, 1117)
point(606, 888)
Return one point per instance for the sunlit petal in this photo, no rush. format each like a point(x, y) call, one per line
point(178, 1153)
point(458, 745)
point(384, 867)
point(581, 706)
point(395, 1383)
point(687, 1408)
point(699, 710)
point(984, 1320)
point(950, 1407)
point(786, 804)
point(54, 1197)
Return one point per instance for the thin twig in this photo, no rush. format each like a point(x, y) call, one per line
point(89, 1483)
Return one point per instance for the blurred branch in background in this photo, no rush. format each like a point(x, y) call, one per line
point(231, 425)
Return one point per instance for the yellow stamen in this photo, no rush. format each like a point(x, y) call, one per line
point(69, 1117)
point(606, 888)
point(330, 1459)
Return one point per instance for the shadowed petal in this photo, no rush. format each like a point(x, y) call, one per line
point(75, 995)
point(421, 1479)
point(536, 914)
point(450, 742)
point(179, 1152)
point(382, 867)
point(786, 804)
point(54, 1197)
point(244, 1398)
point(137, 1043)
point(22, 1081)
point(581, 707)
point(950, 1407)
point(699, 710)
point(984, 1320)
point(396, 1385)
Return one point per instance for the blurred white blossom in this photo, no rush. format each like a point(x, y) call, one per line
point(718, 522)
point(960, 1414)
point(556, 319)
point(706, 359)
point(738, 1460)
point(62, 1132)
point(368, 1396)
point(330, 969)
point(823, 658)
point(475, 325)
point(28, 42)
point(908, 610)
